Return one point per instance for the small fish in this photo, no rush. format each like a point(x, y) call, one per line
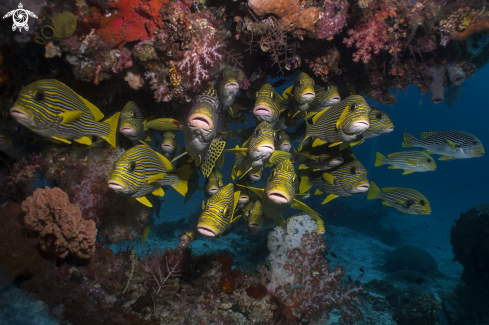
point(53, 110)
point(405, 200)
point(278, 194)
point(254, 176)
point(256, 218)
point(146, 230)
point(333, 254)
point(362, 274)
point(218, 212)
point(321, 157)
point(227, 87)
point(204, 131)
point(380, 123)
point(302, 93)
point(449, 144)
point(346, 180)
point(343, 122)
point(325, 97)
point(213, 183)
point(409, 161)
point(314, 271)
point(267, 106)
point(256, 151)
point(187, 238)
point(141, 170)
point(169, 144)
point(244, 197)
point(282, 141)
point(132, 123)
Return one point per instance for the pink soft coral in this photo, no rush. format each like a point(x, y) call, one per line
point(317, 288)
point(368, 38)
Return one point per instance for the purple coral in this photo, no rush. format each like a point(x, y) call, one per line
point(333, 19)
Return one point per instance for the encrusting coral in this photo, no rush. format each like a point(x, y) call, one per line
point(61, 228)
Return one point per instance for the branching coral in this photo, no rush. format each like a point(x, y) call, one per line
point(61, 228)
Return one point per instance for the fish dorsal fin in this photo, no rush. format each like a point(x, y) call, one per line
point(411, 161)
point(220, 161)
point(427, 134)
point(143, 200)
point(318, 142)
point(302, 166)
point(343, 116)
point(213, 154)
point(318, 192)
point(165, 124)
point(168, 165)
point(452, 145)
point(69, 117)
point(329, 198)
point(391, 155)
point(318, 116)
point(277, 156)
point(329, 178)
point(237, 150)
point(301, 206)
point(97, 114)
point(158, 192)
point(84, 140)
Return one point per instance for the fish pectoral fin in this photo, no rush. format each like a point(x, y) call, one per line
point(452, 145)
point(446, 158)
point(158, 192)
point(143, 200)
point(302, 166)
point(408, 172)
point(59, 140)
point(329, 178)
point(183, 174)
point(69, 117)
point(301, 206)
point(318, 192)
point(257, 191)
point(237, 150)
point(97, 114)
point(411, 161)
point(386, 203)
point(356, 143)
point(343, 116)
point(392, 167)
point(277, 156)
point(165, 124)
point(310, 114)
point(84, 140)
point(233, 219)
point(335, 144)
point(400, 202)
point(148, 138)
point(318, 142)
point(329, 198)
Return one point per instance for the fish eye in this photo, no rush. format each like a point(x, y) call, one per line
point(134, 114)
point(272, 95)
point(475, 143)
point(353, 170)
point(353, 107)
point(378, 116)
point(257, 132)
point(422, 202)
point(132, 167)
point(428, 160)
point(39, 96)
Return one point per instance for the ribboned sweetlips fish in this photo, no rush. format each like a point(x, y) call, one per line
point(267, 106)
point(132, 123)
point(51, 109)
point(227, 87)
point(141, 170)
point(213, 183)
point(405, 200)
point(411, 161)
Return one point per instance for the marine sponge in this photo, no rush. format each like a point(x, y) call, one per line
point(61, 228)
point(64, 25)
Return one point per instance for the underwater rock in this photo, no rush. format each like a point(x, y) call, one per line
point(422, 311)
point(410, 258)
point(61, 228)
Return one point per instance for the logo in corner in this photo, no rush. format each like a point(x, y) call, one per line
point(20, 17)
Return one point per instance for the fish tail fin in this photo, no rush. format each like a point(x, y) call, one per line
point(408, 140)
point(112, 121)
point(304, 185)
point(372, 191)
point(379, 159)
point(183, 174)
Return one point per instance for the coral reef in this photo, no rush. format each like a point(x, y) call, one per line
point(61, 228)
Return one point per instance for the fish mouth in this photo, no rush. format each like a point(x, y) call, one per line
point(436, 100)
point(266, 148)
point(201, 121)
point(206, 231)
point(232, 85)
point(309, 95)
point(213, 190)
point(285, 147)
point(262, 110)
point(336, 162)
point(363, 188)
point(126, 130)
point(18, 114)
point(243, 199)
point(335, 99)
point(255, 177)
point(389, 130)
point(360, 126)
point(278, 197)
point(166, 146)
point(116, 186)
point(254, 227)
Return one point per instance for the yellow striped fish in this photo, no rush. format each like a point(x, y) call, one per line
point(213, 183)
point(410, 161)
point(282, 141)
point(301, 94)
point(321, 157)
point(256, 151)
point(325, 97)
point(53, 110)
point(227, 87)
point(141, 170)
point(218, 212)
point(267, 106)
point(244, 197)
point(314, 216)
point(450, 144)
point(342, 123)
point(169, 144)
point(405, 200)
point(132, 123)
point(278, 194)
point(346, 180)
point(380, 123)
point(256, 218)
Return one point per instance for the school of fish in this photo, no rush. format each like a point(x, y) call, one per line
point(304, 135)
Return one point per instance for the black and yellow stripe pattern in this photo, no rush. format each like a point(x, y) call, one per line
point(405, 200)
point(324, 97)
point(284, 178)
point(47, 100)
point(268, 97)
point(321, 157)
point(380, 123)
point(256, 218)
point(218, 210)
point(303, 84)
point(262, 135)
point(132, 116)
